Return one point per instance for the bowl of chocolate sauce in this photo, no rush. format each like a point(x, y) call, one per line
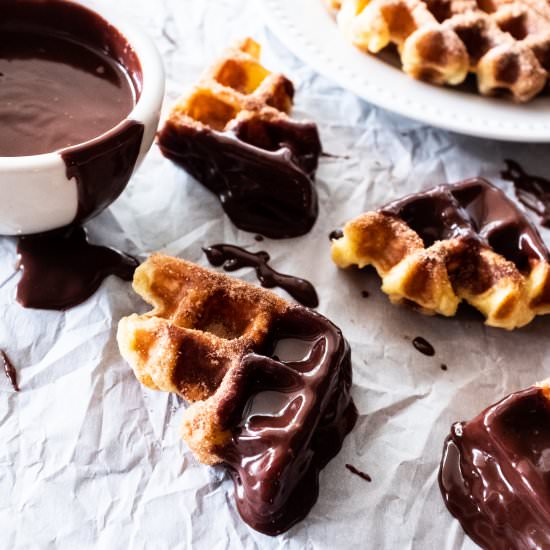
point(81, 91)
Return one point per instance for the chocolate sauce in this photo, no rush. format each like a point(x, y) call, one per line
point(476, 212)
point(60, 81)
point(233, 258)
point(365, 293)
point(9, 370)
point(261, 170)
point(335, 234)
point(359, 473)
point(423, 346)
point(443, 366)
point(68, 81)
point(288, 419)
point(495, 474)
point(532, 191)
point(62, 269)
point(258, 238)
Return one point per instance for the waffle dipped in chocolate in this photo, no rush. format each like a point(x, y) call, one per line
point(232, 133)
point(462, 241)
point(505, 43)
point(494, 474)
point(268, 382)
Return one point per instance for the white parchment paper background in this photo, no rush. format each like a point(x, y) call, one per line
point(89, 459)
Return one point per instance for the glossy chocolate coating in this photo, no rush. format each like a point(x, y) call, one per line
point(262, 171)
point(532, 191)
point(62, 269)
point(475, 211)
point(289, 412)
point(234, 257)
point(495, 473)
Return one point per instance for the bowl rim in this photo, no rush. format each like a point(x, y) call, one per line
point(150, 98)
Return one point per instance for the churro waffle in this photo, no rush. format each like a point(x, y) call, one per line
point(232, 133)
point(505, 43)
point(494, 472)
point(268, 382)
point(463, 241)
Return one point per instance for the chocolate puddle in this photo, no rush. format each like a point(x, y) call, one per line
point(62, 269)
point(9, 370)
point(494, 474)
point(233, 258)
point(532, 191)
point(423, 346)
point(359, 473)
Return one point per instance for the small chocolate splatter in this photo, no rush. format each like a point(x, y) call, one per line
point(335, 234)
point(365, 293)
point(423, 346)
point(332, 156)
point(258, 238)
point(9, 370)
point(359, 473)
point(443, 366)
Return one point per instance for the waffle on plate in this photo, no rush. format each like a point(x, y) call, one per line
point(505, 43)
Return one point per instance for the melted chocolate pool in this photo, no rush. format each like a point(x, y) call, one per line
point(292, 409)
point(62, 269)
point(60, 84)
point(233, 257)
point(495, 473)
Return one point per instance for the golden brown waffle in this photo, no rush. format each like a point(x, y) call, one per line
point(464, 241)
point(274, 415)
point(507, 44)
point(236, 87)
point(201, 326)
point(232, 134)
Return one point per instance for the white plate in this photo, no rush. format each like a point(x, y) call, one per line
point(310, 32)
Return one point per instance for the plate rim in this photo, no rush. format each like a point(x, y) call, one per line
point(287, 30)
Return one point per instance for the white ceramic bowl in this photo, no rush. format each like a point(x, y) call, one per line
point(35, 193)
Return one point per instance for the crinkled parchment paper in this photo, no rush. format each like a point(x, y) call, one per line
point(89, 458)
